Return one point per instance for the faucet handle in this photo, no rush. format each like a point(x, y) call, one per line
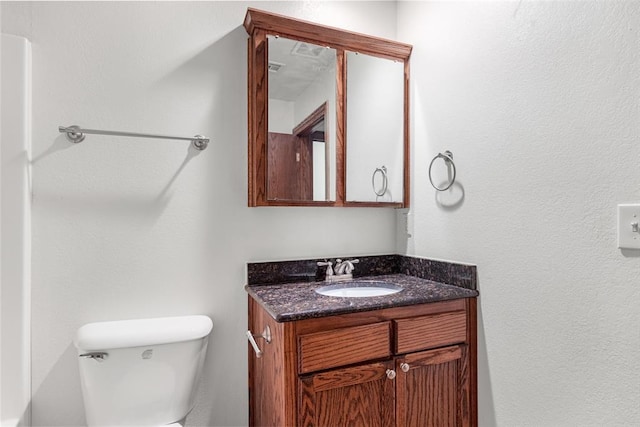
point(349, 265)
point(328, 264)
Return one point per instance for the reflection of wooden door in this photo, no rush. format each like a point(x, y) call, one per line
point(290, 167)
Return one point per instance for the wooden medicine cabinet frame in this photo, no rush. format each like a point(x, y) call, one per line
point(259, 25)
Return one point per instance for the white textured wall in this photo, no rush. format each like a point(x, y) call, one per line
point(280, 116)
point(126, 228)
point(539, 103)
point(537, 100)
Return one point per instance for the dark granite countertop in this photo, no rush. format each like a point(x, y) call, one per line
point(296, 301)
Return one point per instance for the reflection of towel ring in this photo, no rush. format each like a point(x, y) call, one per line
point(448, 158)
point(383, 171)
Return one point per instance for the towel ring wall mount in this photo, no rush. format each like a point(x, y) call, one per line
point(447, 156)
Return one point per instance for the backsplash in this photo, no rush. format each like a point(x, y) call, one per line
point(462, 275)
point(268, 273)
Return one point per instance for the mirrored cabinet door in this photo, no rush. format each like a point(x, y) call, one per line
point(301, 141)
point(304, 147)
point(375, 102)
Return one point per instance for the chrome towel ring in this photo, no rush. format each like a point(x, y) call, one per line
point(383, 171)
point(447, 156)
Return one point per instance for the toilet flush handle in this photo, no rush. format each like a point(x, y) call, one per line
point(99, 356)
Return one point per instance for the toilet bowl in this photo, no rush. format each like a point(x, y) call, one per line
point(141, 372)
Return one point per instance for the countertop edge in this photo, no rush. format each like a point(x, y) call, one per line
point(289, 302)
point(283, 318)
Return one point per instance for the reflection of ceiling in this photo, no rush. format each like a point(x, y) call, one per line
point(300, 65)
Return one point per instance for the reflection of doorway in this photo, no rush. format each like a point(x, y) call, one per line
point(297, 167)
point(319, 153)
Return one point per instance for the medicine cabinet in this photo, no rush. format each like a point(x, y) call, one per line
point(328, 115)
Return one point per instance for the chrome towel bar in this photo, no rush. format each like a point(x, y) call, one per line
point(76, 134)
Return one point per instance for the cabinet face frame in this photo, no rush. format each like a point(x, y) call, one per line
point(259, 25)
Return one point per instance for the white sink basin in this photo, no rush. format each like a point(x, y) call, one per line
point(359, 289)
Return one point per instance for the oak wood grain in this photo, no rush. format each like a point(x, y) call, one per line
point(356, 396)
point(257, 102)
point(428, 394)
point(329, 36)
point(345, 346)
point(470, 359)
point(251, 128)
point(271, 402)
point(419, 333)
point(366, 317)
point(341, 127)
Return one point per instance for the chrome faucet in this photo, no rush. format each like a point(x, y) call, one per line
point(341, 271)
point(345, 267)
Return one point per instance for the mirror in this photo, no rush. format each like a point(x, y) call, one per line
point(375, 129)
point(301, 119)
point(327, 126)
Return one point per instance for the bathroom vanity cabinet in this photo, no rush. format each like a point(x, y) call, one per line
point(404, 366)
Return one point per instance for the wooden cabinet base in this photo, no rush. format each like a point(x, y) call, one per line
point(292, 384)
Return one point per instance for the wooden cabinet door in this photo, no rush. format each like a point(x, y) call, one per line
point(432, 388)
point(356, 396)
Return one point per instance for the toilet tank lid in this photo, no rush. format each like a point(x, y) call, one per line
point(142, 332)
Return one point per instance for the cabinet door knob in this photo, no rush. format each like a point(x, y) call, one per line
point(405, 367)
point(391, 374)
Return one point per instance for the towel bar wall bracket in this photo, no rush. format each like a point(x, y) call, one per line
point(77, 134)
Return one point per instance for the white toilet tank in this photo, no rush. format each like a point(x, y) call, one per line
point(141, 372)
